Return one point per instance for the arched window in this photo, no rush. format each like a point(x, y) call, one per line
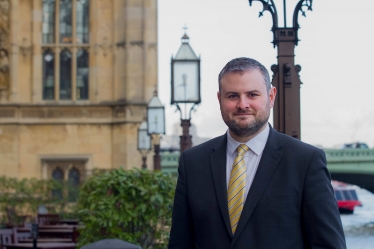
point(65, 74)
point(83, 21)
point(74, 180)
point(65, 29)
point(65, 16)
point(82, 74)
point(48, 74)
point(58, 175)
point(48, 28)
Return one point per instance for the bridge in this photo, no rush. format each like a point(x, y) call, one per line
point(169, 162)
point(354, 166)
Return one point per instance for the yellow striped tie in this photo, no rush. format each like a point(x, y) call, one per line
point(236, 189)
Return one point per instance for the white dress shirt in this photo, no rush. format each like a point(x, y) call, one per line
point(252, 158)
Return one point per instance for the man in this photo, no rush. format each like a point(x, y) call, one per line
point(253, 187)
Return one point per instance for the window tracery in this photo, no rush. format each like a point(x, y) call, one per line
point(65, 35)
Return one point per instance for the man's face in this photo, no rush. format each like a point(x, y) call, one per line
point(245, 103)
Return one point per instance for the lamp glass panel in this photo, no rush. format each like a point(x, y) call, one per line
point(186, 81)
point(144, 140)
point(156, 121)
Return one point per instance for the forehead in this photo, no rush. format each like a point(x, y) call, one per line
point(250, 80)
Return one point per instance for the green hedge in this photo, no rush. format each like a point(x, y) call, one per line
point(132, 205)
point(25, 196)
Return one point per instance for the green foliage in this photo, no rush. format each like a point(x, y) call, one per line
point(25, 195)
point(132, 205)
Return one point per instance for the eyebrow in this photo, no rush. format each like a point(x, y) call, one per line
point(253, 91)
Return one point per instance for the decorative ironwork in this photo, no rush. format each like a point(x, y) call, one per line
point(299, 8)
point(270, 6)
point(286, 76)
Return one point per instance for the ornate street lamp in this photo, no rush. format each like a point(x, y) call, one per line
point(286, 74)
point(185, 87)
point(144, 142)
point(156, 127)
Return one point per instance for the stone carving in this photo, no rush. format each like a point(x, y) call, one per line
point(287, 73)
point(98, 113)
point(152, 45)
point(121, 44)
point(4, 16)
point(137, 43)
point(66, 113)
point(60, 113)
point(7, 113)
point(104, 45)
point(4, 23)
point(119, 112)
point(137, 111)
point(4, 58)
point(274, 69)
point(33, 113)
point(25, 47)
point(4, 69)
point(298, 69)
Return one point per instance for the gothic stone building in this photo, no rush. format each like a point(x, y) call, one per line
point(75, 79)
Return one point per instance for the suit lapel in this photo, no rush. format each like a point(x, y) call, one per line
point(269, 162)
point(218, 166)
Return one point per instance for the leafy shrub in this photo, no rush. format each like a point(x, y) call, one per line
point(132, 205)
point(25, 196)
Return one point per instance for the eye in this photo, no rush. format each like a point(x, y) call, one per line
point(232, 96)
point(252, 95)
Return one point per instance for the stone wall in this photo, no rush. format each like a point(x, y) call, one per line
point(101, 131)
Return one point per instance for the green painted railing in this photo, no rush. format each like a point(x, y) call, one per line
point(359, 161)
point(169, 162)
point(338, 161)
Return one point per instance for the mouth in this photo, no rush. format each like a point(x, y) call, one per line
point(243, 114)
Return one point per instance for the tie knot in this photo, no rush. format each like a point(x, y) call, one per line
point(242, 149)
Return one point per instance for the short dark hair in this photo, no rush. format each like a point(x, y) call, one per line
point(244, 64)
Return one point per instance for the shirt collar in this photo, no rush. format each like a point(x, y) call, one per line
point(256, 144)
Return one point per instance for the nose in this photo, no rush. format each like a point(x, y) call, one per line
point(243, 103)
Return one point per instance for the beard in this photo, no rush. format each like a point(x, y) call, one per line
point(248, 129)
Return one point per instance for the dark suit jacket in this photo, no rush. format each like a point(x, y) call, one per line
point(290, 204)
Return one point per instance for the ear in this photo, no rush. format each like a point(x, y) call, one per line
point(272, 95)
point(219, 96)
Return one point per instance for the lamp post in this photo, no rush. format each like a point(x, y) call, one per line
point(185, 87)
point(286, 74)
point(144, 142)
point(156, 127)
